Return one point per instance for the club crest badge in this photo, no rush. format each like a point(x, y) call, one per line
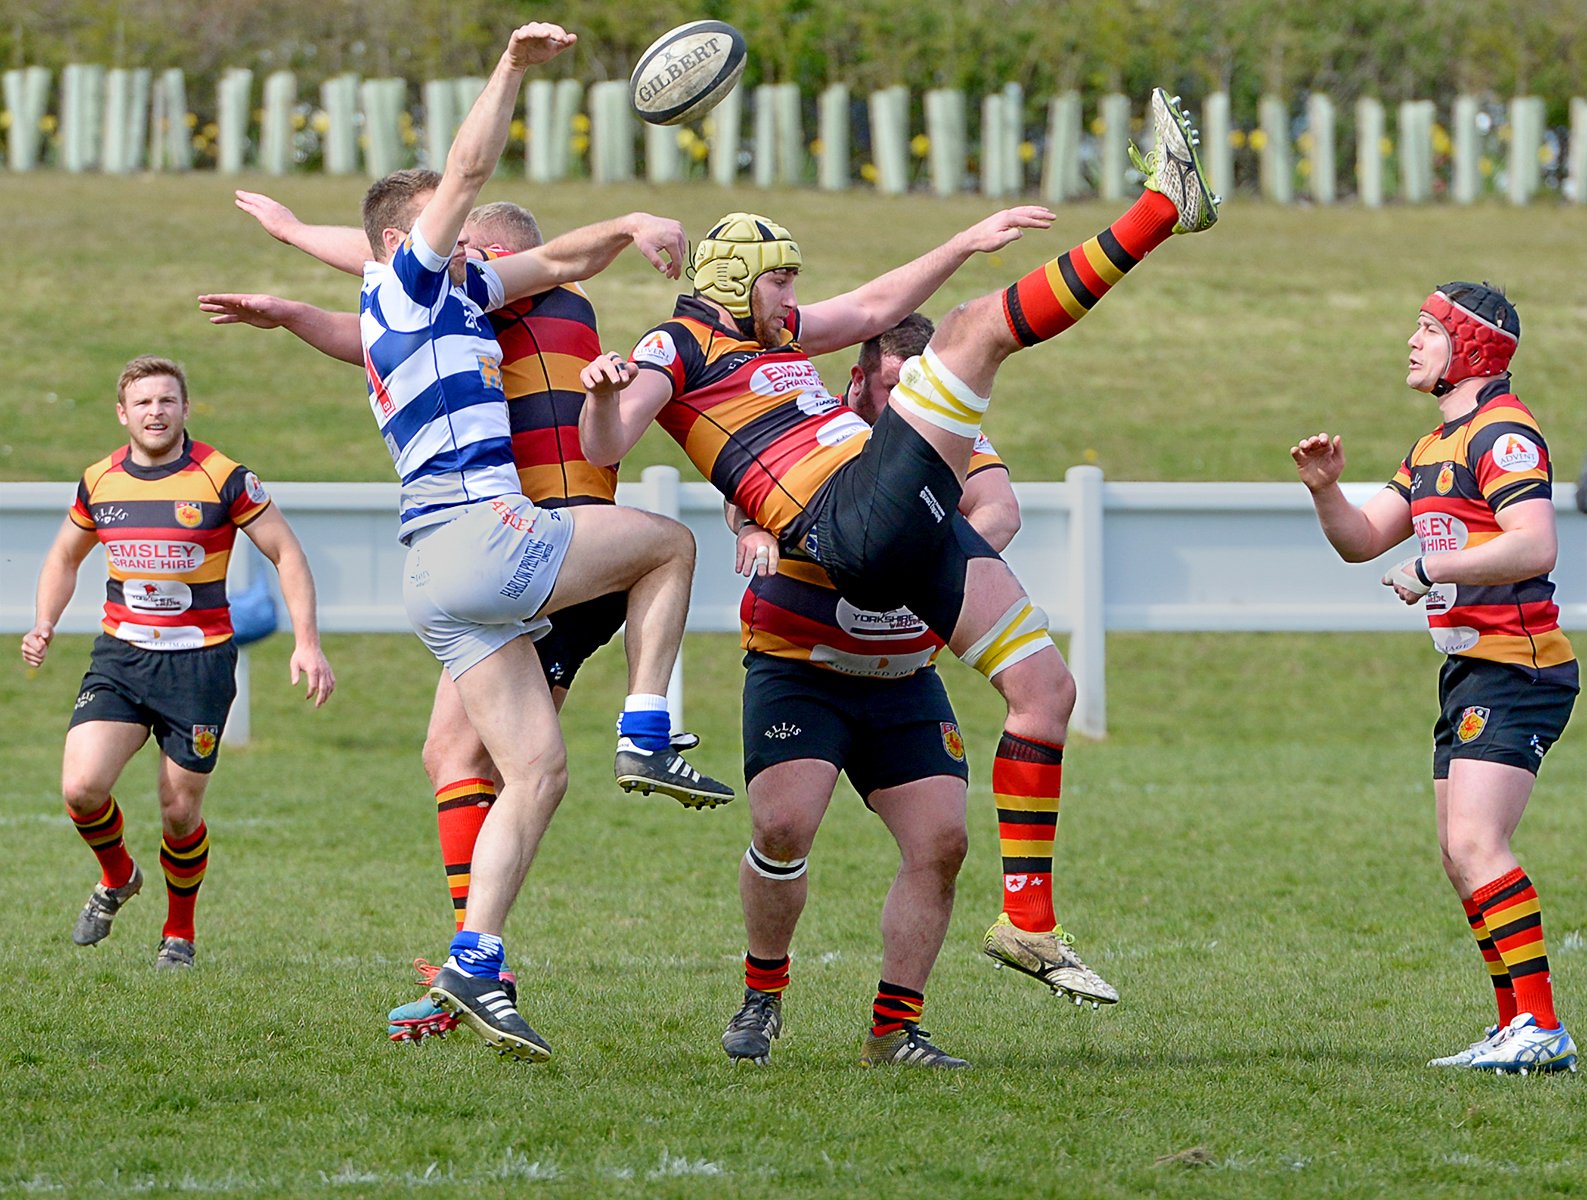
point(205, 739)
point(188, 514)
point(952, 741)
point(1472, 722)
point(1446, 479)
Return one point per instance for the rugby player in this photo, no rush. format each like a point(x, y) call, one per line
point(545, 340)
point(485, 566)
point(1477, 493)
point(730, 378)
point(167, 510)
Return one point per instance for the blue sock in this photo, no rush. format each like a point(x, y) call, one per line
point(647, 730)
point(479, 954)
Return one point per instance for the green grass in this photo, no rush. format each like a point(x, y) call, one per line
point(1207, 363)
point(1247, 857)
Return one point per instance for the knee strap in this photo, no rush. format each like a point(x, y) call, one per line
point(771, 868)
point(1015, 636)
point(939, 397)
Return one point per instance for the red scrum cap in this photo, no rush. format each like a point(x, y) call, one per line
point(1482, 327)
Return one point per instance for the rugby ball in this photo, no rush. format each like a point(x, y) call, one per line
point(686, 72)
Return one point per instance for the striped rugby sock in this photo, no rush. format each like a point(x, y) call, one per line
point(1504, 990)
point(895, 1007)
point(1027, 777)
point(184, 861)
point(1053, 297)
point(766, 974)
point(460, 811)
point(1514, 918)
point(102, 831)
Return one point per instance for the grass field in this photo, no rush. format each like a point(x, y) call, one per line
point(1249, 856)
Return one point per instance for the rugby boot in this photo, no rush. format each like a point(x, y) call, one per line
point(1173, 168)
point(1463, 1058)
point(93, 923)
point(482, 1003)
point(663, 771)
point(174, 954)
point(906, 1047)
point(1524, 1048)
point(422, 1018)
point(1049, 957)
point(749, 1034)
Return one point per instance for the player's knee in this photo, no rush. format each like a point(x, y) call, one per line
point(768, 865)
point(83, 795)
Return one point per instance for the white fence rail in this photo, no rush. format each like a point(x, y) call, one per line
point(1097, 556)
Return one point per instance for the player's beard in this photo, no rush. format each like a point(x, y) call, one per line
point(768, 330)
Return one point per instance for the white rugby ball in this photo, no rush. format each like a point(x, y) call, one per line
point(686, 72)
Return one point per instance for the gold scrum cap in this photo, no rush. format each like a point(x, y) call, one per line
point(740, 248)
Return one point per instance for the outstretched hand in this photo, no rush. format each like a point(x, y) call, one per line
point(661, 240)
point(537, 42)
point(276, 218)
point(256, 309)
point(607, 375)
point(1007, 226)
point(1319, 459)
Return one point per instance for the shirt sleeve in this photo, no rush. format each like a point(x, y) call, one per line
point(244, 496)
point(79, 513)
point(1401, 483)
point(483, 285)
point(420, 270)
point(666, 349)
point(1510, 461)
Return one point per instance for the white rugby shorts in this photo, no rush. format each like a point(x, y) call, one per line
point(474, 584)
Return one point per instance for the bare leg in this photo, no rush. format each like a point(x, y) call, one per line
point(927, 820)
point(787, 802)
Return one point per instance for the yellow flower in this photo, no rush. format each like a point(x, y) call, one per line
point(698, 150)
point(5, 119)
point(299, 121)
point(1258, 140)
point(1090, 455)
point(410, 138)
point(321, 123)
point(517, 130)
point(1237, 139)
point(869, 173)
point(816, 147)
point(1545, 155)
point(580, 123)
point(1485, 165)
point(212, 130)
point(1098, 126)
point(47, 123)
point(1442, 142)
point(1385, 146)
point(578, 143)
point(1305, 142)
point(1305, 167)
point(1027, 152)
point(920, 145)
point(192, 120)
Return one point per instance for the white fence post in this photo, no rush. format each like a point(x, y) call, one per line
point(663, 162)
point(1369, 151)
point(383, 103)
point(82, 109)
point(1088, 631)
point(1114, 111)
point(1324, 179)
point(1277, 170)
point(440, 120)
point(661, 486)
point(1216, 152)
point(994, 146)
point(611, 132)
point(764, 160)
point(726, 122)
point(113, 129)
point(1576, 179)
point(788, 123)
point(945, 131)
point(567, 99)
point(1526, 144)
point(1060, 175)
point(339, 99)
point(27, 92)
point(275, 131)
point(1415, 146)
point(233, 108)
point(889, 109)
point(833, 112)
point(1466, 170)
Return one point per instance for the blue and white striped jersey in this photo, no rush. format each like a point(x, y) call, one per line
point(434, 373)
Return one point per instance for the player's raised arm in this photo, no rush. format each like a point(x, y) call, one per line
point(333, 334)
point(483, 134)
point(1358, 534)
point(621, 401)
point(851, 318)
point(582, 253)
point(57, 582)
point(339, 246)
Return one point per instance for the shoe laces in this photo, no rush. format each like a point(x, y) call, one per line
point(1144, 163)
point(427, 971)
point(757, 1010)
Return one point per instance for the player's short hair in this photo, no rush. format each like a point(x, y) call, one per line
point(389, 203)
point(904, 340)
point(145, 366)
point(505, 224)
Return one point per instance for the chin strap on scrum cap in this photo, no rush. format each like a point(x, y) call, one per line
point(1483, 329)
point(740, 248)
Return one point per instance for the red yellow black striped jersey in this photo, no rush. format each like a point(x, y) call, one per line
point(1456, 479)
point(797, 614)
point(757, 422)
point(546, 340)
point(168, 533)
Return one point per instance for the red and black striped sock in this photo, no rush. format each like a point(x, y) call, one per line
point(766, 974)
point(895, 1007)
point(1504, 990)
point(1027, 777)
point(184, 861)
point(102, 831)
point(1053, 297)
point(1514, 918)
point(460, 811)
